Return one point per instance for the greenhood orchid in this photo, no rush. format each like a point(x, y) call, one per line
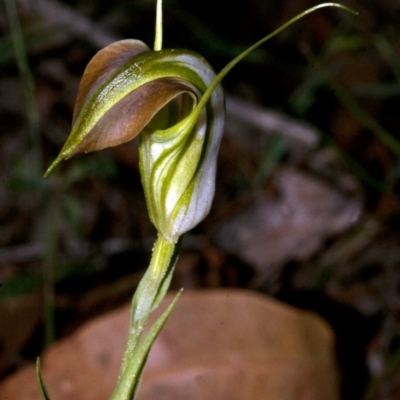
point(126, 90)
point(174, 100)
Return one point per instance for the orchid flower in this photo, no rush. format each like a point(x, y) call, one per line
point(174, 100)
point(127, 89)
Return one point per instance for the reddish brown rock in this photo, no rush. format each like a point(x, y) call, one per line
point(224, 344)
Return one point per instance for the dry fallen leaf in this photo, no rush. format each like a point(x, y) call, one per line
point(273, 230)
point(223, 344)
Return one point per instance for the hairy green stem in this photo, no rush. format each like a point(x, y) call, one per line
point(148, 295)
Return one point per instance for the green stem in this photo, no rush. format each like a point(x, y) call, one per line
point(149, 287)
point(28, 88)
point(150, 291)
point(158, 39)
point(49, 268)
point(28, 84)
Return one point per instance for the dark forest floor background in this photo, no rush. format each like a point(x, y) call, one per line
point(307, 207)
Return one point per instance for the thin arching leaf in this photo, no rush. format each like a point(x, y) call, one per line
point(129, 381)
